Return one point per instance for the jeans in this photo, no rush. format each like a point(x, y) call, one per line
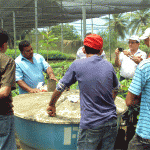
point(138, 143)
point(7, 133)
point(100, 138)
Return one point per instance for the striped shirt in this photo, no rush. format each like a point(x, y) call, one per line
point(141, 84)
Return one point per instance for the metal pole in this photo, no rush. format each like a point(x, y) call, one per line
point(91, 18)
point(92, 24)
point(62, 41)
point(36, 25)
point(14, 25)
point(81, 33)
point(62, 49)
point(84, 18)
point(2, 23)
point(109, 39)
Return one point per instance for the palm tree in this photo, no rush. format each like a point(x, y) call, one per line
point(118, 24)
point(139, 20)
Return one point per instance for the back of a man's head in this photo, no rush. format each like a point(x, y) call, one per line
point(23, 44)
point(3, 37)
point(93, 43)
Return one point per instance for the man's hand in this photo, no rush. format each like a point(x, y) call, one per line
point(52, 77)
point(51, 110)
point(127, 53)
point(117, 52)
point(34, 90)
point(137, 59)
point(117, 60)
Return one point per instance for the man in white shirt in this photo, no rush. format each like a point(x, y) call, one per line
point(81, 55)
point(129, 59)
point(146, 38)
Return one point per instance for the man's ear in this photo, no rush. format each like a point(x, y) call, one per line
point(83, 49)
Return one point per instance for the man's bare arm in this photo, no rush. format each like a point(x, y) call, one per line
point(130, 99)
point(117, 60)
point(5, 91)
point(51, 73)
point(24, 86)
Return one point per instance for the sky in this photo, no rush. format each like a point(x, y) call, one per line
point(98, 24)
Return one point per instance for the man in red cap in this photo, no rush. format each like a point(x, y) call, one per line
point(97, 79)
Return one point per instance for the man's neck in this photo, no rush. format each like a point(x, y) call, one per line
point(31, 60)
point(89, 55)
point(133, 51)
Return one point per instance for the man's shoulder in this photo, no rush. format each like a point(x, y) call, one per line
point(144, 63)
point(80, 50)
point(18, 59)
point(140, 51)
point(5, 58)
point(37, 56)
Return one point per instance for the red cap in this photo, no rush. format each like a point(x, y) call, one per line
point(94, 41)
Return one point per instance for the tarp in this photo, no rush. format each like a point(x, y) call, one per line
point(52, 12)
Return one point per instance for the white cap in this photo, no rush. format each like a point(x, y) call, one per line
point(146, 34)
point(135, 37)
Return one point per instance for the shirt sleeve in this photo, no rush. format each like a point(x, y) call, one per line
point(8, 78)
point(121, 57)
point(19, 73)
point(116, 84)
point(138, 82)
point(144, 56)
point(45, 64)
point(68, 79)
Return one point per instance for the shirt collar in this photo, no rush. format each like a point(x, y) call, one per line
point(138, 51)
point(22, 57)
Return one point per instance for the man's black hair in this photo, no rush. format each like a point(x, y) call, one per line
point(23, 44)
point(90, 50)
point(3, 37)
point(88, 34)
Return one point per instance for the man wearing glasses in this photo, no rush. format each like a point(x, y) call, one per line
point(146, 38)
point(129, 59)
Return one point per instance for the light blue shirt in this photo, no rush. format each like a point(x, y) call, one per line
point(141, 84)
point(30, 73)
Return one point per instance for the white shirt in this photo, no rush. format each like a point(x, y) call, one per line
point(81, 55)
point(128, 66)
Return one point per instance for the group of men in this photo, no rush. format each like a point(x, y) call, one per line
point(97, 80)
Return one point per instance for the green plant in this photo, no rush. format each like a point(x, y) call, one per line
point(52, 55)
point(16, 91)
point(48, 40)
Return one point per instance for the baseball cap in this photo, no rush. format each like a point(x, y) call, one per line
point(146, 34)
point(135, 37)
point(94, 41)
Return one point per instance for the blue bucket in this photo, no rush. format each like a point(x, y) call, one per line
point(46, 136)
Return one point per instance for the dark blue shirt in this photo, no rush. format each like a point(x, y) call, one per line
point(97, 79)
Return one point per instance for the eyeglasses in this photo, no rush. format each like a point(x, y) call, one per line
point(132, 42)
point(145, 40)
